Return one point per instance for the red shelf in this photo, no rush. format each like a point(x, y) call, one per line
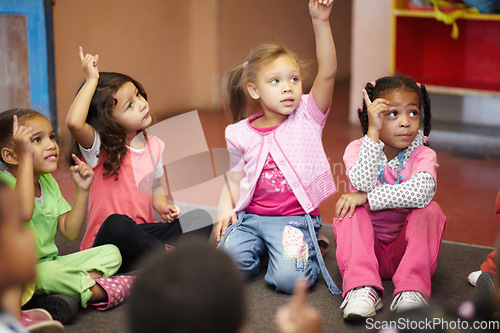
point(425, 51)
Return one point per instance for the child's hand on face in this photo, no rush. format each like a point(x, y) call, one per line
point(320, 9)
point(22, 137)
point(348, 203)
point(376, 111)
point(89, 65)
point(82, 174)
point(170, 212)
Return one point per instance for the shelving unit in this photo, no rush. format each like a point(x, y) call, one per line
point(423, 48)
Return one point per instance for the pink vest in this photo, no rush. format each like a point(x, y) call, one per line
point(130, 195)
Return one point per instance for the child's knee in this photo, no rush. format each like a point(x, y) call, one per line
point(284, 281)
point(116, 221)
point(430, 216)
point(113, 252)
point(284, 276)
point(247, 261)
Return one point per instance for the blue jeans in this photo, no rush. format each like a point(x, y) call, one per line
point(292, 248)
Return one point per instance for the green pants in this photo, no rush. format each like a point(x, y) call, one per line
point(68, 274)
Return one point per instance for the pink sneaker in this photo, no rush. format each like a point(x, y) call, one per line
point(37, 314)
point(40, 321)
point(117, 288)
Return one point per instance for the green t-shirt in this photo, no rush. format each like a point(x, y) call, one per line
point(43, 224)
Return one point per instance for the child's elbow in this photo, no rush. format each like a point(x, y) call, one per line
point(71, 237)
point(68, 234)
point(26, 217)
point(71, 123)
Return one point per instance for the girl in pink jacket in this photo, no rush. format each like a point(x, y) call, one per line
point(388, 226)
point(279, 172)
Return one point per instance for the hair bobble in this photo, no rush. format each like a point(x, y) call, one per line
point(418, 84)
point(373, 83)
point(245, 65)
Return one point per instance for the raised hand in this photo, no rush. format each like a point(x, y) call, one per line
point(82, 174)
point(298, 316)
point(320, 9)
point(89, 64)
point(22, 137)
point(377, 111)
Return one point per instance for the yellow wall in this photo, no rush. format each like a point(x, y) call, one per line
point(179, 50)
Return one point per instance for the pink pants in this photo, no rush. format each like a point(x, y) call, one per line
point(410, 260)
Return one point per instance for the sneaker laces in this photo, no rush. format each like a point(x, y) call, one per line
point(409, 297)
point(359, 294)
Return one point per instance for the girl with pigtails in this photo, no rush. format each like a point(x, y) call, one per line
point(388, 227)
point(279, 173)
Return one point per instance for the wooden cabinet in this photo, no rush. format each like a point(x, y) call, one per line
point(423, 49)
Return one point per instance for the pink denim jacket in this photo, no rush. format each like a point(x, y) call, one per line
point(296, 147)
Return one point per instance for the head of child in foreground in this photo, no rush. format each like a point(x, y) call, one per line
point(118, 111)
point(17, 250)
point(43, 140)
point(408, 103)
point(270, 75)
point(194, 288)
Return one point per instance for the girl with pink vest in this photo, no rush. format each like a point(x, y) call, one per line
point(388, 227)
point(279, 172)
point(108, 119)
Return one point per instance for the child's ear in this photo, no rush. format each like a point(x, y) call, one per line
point(252, 90)
point(9, 156)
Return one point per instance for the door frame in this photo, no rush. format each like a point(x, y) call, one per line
point(40, 52)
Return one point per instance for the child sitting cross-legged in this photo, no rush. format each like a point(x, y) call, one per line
point(30, 153)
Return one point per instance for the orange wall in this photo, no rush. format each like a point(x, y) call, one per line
point(179, 50)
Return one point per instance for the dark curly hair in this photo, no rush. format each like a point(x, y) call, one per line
point(397, 82)
point(100, 117)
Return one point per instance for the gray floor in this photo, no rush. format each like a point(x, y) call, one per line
point(449, 286)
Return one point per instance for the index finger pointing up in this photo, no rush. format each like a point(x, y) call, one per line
point(366, 98)
point(15, 125)
point(300, 292)
point(76, 159)
point(81, 53)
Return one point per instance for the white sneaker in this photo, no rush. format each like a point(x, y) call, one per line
point(472, 278)
point(360, 303)
point(408, 300)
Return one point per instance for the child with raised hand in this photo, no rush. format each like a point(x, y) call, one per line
point(298, 316)
point(108, 118)
point(279, 173)
point(30, 153)
point(388, 226)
